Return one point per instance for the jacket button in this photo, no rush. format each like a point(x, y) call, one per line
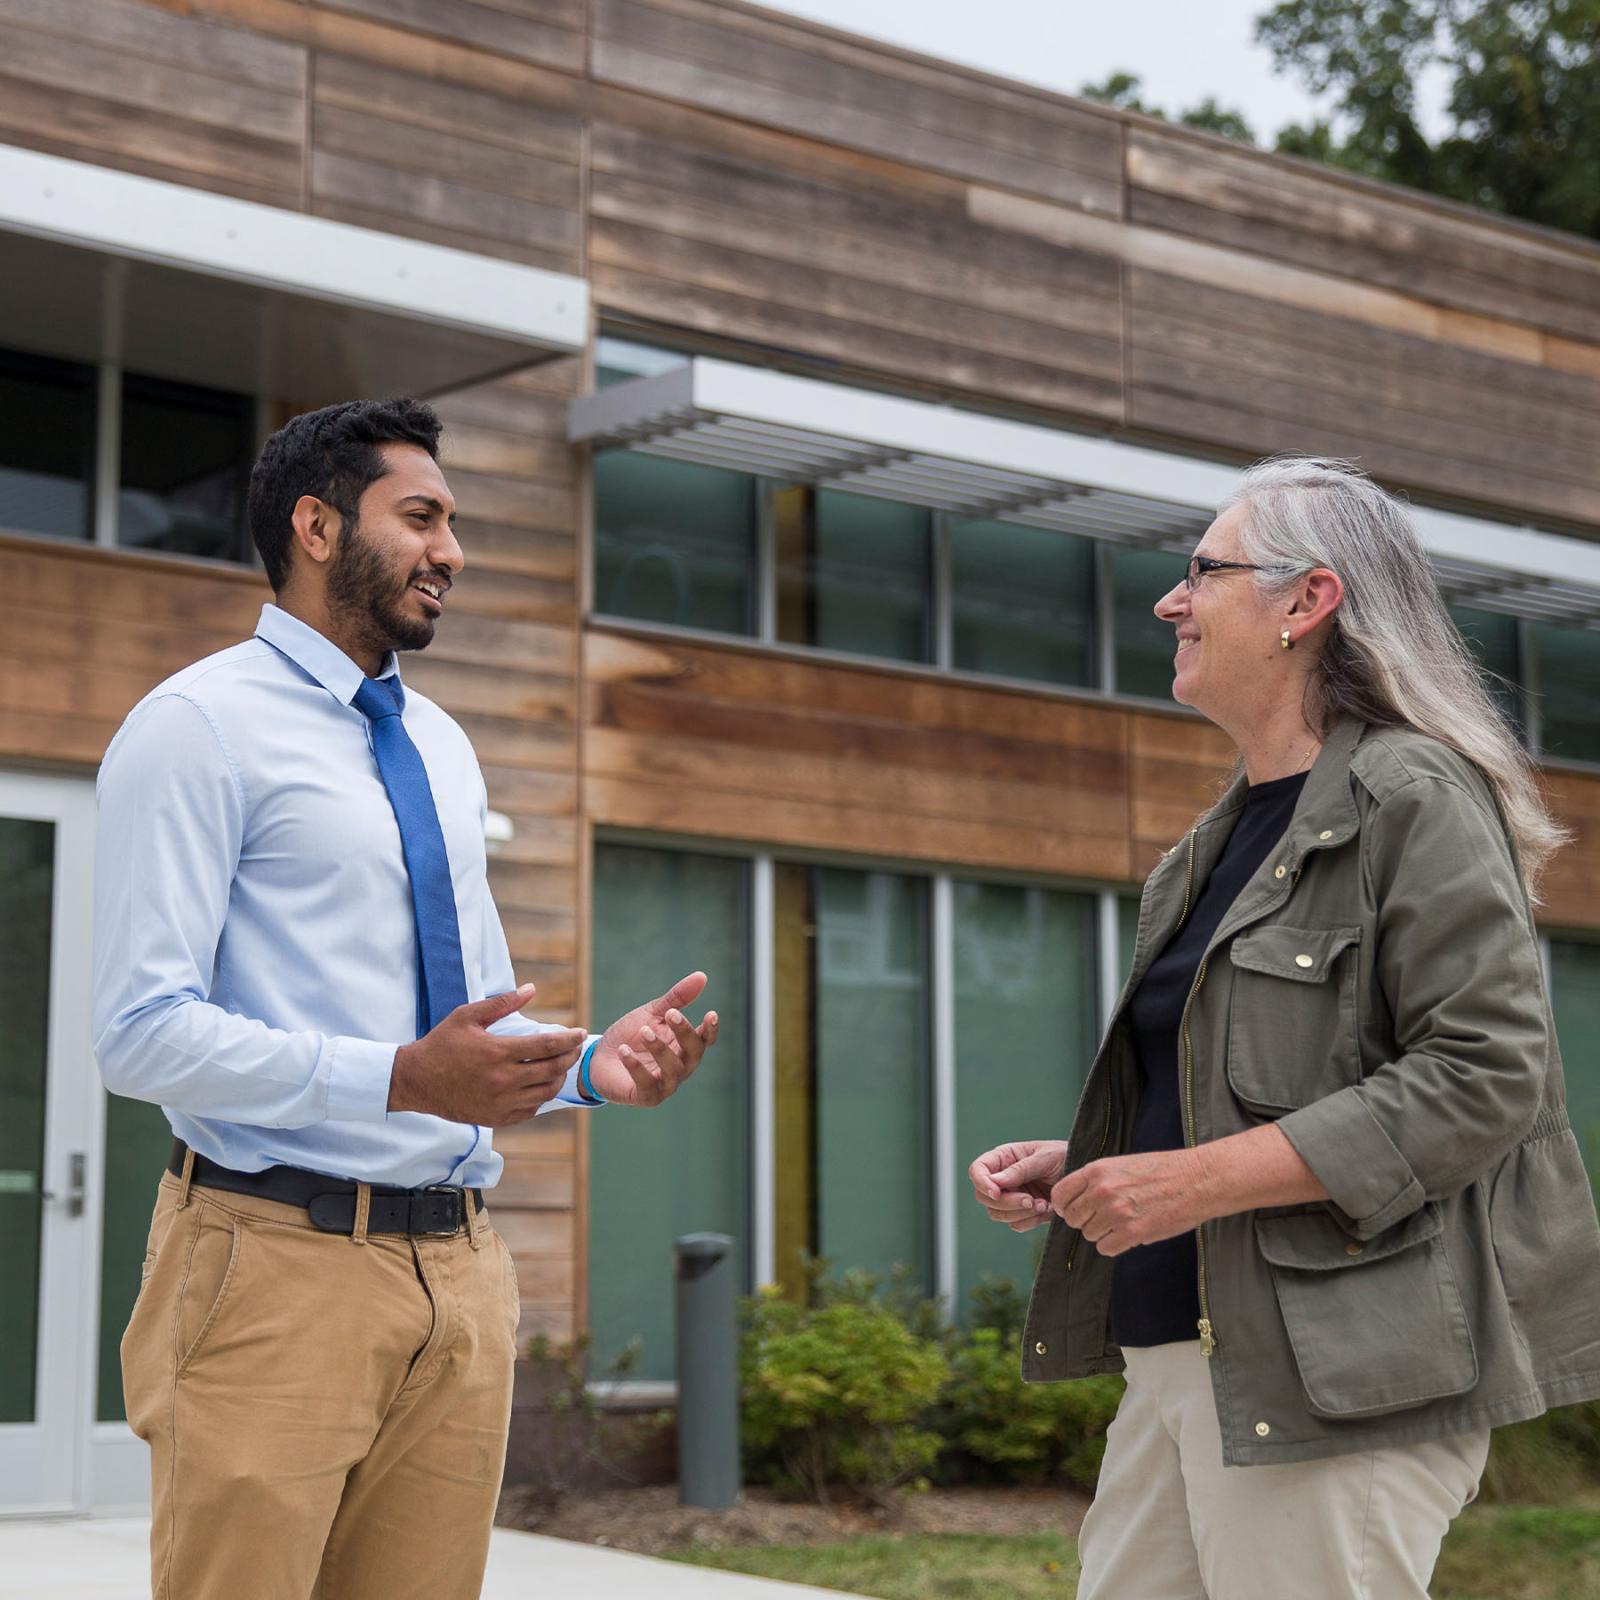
point(1327, 833)
point(1353, 1249)
point(1263, 1429)
point(1278, 872)
point(1041, 1348)
point(1304, 961)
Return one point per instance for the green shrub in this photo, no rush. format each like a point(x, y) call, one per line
point(1546, 1459)
point(995, 1427)
point(832, 1395)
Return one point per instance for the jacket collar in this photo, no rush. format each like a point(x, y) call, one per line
point(316, 654)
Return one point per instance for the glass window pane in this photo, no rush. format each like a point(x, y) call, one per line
point(1575, 999)
point(854, 574)
point(1569, 691)
point(1023, 602)
point(1492, 637)
point(1145, 644)
point(1026, 1030)
point(185, 465)
point(683, 1167)
point(27, 873)
point(47, 411)
point(873, 1058)
point(674, 542)
point(138, 1143)
point(623, 360)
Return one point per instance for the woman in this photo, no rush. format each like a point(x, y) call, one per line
point(1321, 1201)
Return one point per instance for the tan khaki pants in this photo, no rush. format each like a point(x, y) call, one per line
point(1170, 1522)
point(326, 1415)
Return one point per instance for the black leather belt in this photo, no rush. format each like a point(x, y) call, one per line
point(331, 1202)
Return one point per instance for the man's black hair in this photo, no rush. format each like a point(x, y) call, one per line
point(332, 454)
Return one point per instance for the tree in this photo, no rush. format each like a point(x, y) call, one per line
point(1124, 90)
point(1524, 98)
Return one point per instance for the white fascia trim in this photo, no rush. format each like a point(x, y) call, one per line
point(709, 388)
point(146, 219)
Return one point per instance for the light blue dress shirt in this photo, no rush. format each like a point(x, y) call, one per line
point(255, 964)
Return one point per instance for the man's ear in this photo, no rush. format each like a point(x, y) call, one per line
point(316, 528)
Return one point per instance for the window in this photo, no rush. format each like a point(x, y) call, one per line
point(853, 1082)
point(47, 446)
point(186, 456)
point(684, 1168)
point(1144, 643)
point(1575, 1000)
point(674, 542)
point(854, 574)
point(1567, 678)
point(1493, 639)
point(1023, 603)
point(167, 471)
point(1026, 1030)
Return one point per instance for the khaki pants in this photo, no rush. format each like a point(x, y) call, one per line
point(326, 1415)
point(1170, 1522)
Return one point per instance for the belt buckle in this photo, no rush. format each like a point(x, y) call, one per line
point(432, 1194)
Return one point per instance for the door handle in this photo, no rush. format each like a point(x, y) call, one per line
point(77, 1171)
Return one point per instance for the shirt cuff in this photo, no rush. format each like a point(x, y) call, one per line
point(569, 1094)
point(358, 1080)
point(1350, 1152)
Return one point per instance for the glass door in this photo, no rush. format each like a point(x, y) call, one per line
point(49, 1115)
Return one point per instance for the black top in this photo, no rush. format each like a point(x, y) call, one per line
point(1154, 1293)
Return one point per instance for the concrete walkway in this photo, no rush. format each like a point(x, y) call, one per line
point(107, 1559)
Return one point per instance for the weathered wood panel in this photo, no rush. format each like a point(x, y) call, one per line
point(145, 91)
point(732, 743)
point(1293, 211)
point(780, 73)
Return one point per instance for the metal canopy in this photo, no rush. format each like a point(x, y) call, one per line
point(800, 430)
point(178, 283)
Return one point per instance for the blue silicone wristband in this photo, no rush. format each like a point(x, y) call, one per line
point(586, 1087)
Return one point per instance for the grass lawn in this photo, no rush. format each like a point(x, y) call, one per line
point(1492, 1553)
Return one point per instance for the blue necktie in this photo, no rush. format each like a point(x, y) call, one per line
point(441, 975)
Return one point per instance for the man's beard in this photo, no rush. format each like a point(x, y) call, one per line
point(363, 594)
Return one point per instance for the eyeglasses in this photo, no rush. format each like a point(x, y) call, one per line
point(1199, 566)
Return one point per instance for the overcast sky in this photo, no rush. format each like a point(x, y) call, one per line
point(1184, 50)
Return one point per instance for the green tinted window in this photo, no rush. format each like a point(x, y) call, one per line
point(1026, 1030)
point(854, 574)
point(684, 1166)
point(1022, 602)
point(1492, 637)
point(1569, 691)
point(674, 542)
point(1575, 999)
point(1144, 643)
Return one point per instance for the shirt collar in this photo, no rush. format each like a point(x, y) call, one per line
point(316, 654)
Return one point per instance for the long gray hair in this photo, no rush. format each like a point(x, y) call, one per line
point(1393, 655)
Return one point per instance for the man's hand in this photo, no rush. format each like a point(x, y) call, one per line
point(1127, 1200)
point(461, 1071)
point(646, 1056)
point(1012, 1181)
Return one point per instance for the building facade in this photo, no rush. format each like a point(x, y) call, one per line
point(824, 421)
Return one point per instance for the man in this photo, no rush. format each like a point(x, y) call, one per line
point(297, 956)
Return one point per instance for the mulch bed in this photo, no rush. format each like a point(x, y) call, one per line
point(650, 1521)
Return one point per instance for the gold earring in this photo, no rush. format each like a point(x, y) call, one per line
point(1288, 644)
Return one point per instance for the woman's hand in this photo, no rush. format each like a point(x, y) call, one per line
point(1012, 1181)
point(1122, 1201)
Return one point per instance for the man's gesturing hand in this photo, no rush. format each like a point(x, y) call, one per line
point(1012, 1181)
point(646, 1056)
point(461, 1071)
point(1127, 1200)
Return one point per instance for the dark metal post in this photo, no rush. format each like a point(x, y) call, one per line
point(708, 1372)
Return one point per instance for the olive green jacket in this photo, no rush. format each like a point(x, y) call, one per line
point(1377, 990)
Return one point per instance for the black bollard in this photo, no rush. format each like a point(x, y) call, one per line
point(708, 1372)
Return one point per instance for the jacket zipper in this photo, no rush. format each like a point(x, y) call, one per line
point(1208, 1341)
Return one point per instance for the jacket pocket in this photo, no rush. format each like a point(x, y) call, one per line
point(1375, 1327)
point(1292, 1023)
